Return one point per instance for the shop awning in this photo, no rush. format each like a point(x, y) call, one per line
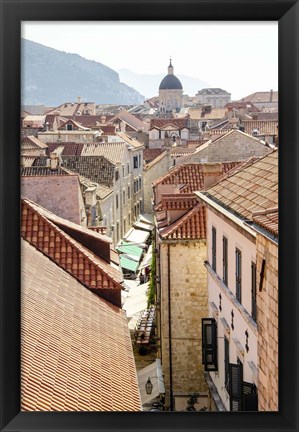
point(128, 264)
point(143, 226)
point(146, 262)
point(136, 300)
point(129, 249)
point(147, 218)
point(137, 236)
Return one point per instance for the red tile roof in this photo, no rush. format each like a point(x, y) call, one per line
point(76, 349)
point(31, 142)
point(177, 202)
point(92, 271)
point(267, 219)
point(189, 175)
point(191, 226)
point(67, 149)
point(162, 123)
point(252, 188)
point(150, 154)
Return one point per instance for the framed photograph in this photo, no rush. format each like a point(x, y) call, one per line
point(235, 395)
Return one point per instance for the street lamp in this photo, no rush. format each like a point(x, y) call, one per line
point(149, 386)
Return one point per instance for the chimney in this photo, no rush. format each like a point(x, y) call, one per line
point(53, 161)
point(79, 99)
point(211, 174)
point(271, 95)
point(103, 119)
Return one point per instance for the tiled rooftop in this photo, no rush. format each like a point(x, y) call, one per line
point(264, 127)
point(50, 237)
point(75, 347)
point(261, 97)
point(177, 202)
point(96, 168)
point(191, 226)
point(42, 171)
point(31, 142)
point(162, 123)
point(150, 154)
point(112, 151)
point(268, 220)
point(67, 149)
point(215, 113)
point(27, 161)
point(190, 175)
point(130, 119)
point(254, 188)
point(130, 140)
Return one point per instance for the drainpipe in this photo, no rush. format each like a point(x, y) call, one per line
point(169, 330)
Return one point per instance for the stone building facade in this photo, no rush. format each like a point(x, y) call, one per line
point(183, 303)
point(267, 309)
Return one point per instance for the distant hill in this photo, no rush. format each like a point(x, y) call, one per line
point(149, 84)
point(51, 77)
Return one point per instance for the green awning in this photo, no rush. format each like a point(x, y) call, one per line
point(129, 249)
point(128, 264)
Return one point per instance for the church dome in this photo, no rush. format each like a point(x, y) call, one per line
point(170, 81)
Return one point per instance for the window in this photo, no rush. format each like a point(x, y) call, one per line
point(125, 226)
point(117, 231)
point(135, 160)
point(235, 385)
point(226, 363)
point(238, 274)
point(141, 207)
point(69, 127)
point(128, 168)
point(253, 290)
point(123, 169)
point(140, 183)
point(224, 259)
point(124, 197)
point(243, 395)
point(129, 219)
point(129, 192)
point(214, 249)
point(116, 175)
point(139, 157)
point(116, 201)
point(209, 344)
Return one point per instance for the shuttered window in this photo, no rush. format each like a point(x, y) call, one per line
point(226, 363)
point(243, 395)
point(253, 291)
point(209, 344)
point(235, 386)
point(135, 161)
point(238, 274)
point(224, 259)
point(214, 249)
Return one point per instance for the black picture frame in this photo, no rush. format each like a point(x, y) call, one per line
point(286, 12)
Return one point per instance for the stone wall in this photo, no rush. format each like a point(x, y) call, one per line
point(267, 321)
point(188, 299)
point(59, 194)
point(236, 146)
point(151, 174)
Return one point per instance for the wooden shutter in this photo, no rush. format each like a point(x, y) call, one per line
point(214, 248)
point(253, 291)
point(238, 274)
point(235, 386)
point(224, 259)
point(250, 397)
point(209, 344)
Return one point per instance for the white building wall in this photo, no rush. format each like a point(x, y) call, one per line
point(242, 320)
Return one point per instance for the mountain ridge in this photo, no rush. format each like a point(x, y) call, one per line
point(50, 77)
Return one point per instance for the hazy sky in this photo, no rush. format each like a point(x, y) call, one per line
point(239, 57)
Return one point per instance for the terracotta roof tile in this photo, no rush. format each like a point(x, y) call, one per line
point(130, 119)
point(75, 347)
point(162, 123)
point(254, 187)
point(264, 127)
point(92, 271)
point(184, 201)
point(189, 175)
point(150, 155)
point(42, 171)
point(191, 226)
point(31, 142)
point(114, 151)
point(267, 219)
point(66, 149)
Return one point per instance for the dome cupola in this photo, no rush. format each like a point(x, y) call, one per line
point(170, 81)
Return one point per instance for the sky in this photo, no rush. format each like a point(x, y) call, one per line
point(239, 57)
